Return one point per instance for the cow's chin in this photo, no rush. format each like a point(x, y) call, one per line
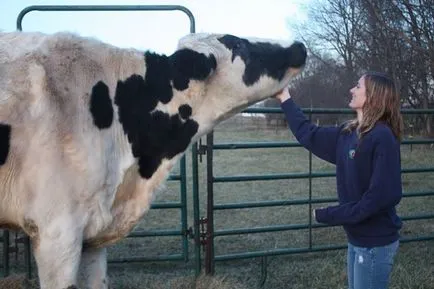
point(204, 128)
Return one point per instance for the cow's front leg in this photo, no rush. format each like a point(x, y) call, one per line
point(93, 269)
point(57, 250)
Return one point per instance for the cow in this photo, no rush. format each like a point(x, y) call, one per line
point(88, 131)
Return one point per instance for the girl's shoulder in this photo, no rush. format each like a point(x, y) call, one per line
point(382, 133)
point(382, 129)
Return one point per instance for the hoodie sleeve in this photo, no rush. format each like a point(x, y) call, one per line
point(321, 141)
point(384, 191)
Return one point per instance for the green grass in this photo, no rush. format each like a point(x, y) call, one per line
point(414, 266)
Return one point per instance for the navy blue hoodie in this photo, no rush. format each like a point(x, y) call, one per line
point(368, 174)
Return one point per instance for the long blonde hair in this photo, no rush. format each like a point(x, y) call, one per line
point(382, 104)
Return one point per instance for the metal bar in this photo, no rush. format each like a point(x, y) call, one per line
point(257, 145)
point(170, 205)
point(305, 110)
point(196, 212)
point(287, 251)
point(245, 205)
point(264, 264)
point(28, 256)
point(174, 178)
point(6, 245)
point(310, 193)
point(328, 110)
point(417, 170)
point(417, 239)
point(183, 187)
point(105, 8)
point(209, 261)
point(418, 141)
point(267, 229)
point(174, 257)
point(244, 178)
point(417, 111)
point(418, 194)
point(155, 233)
point(275, 252)
point(417, 217)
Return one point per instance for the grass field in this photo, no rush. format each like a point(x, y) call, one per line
point(414, 266)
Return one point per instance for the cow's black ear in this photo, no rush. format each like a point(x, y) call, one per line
point(188, 64)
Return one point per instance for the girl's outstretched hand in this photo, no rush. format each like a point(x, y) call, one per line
point(283, 95)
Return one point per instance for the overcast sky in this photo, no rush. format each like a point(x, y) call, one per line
point(159, 31)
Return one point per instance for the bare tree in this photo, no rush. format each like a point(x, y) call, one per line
point(410, 25)
point(333, 31)
point(353, 36)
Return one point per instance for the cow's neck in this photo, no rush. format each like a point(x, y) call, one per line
point(132, 199)
point(150, 141)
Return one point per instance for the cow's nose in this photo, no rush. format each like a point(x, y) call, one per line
point(298, 54)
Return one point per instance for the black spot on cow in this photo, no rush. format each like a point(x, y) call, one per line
point(188, 64)
point(179, 68)
point(264, 58)
point(101, 106)
point(5, 135)
point(157, 79)
point(72, 287)
point(184, 111)
point(153, 135)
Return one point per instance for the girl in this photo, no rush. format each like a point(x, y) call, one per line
point(366, 152)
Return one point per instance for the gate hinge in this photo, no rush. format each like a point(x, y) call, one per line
point(188, 233)
point(201, 149)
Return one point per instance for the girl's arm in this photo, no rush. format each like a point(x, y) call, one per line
point(321, 141)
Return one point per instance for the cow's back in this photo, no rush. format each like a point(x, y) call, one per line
point(46, 84)
point(53, 72)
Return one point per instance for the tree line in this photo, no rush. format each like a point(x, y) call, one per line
point(346, 38)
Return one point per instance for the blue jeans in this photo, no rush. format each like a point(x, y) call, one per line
point(370, 268)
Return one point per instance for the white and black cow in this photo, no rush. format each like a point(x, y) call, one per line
point(88, 131)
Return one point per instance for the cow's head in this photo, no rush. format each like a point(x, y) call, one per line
point(208, 78)
point(233, 73)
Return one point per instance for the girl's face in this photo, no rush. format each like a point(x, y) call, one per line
point(358, 94)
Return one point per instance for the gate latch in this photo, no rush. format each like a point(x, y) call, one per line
point(201, 149)
point(203, 232)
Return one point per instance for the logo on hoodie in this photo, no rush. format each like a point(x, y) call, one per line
point(351, 153)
